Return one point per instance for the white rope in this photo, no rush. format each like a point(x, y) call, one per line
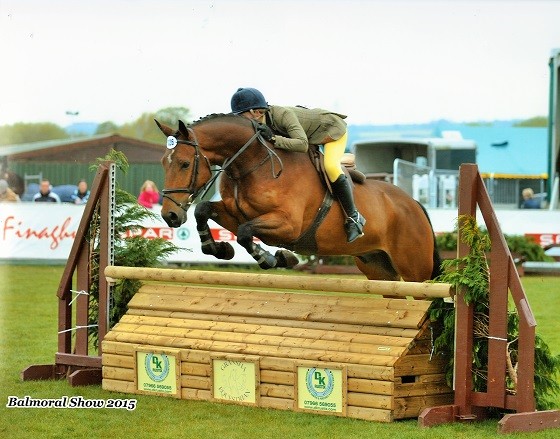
point(78, 293)
point(497, 338)
point(77, 327)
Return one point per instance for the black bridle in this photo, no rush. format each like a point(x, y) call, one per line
point(193, 192)
point(191, 189)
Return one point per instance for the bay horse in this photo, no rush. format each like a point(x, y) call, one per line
point(279, 197)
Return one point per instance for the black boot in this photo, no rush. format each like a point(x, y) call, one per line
point(354, 224)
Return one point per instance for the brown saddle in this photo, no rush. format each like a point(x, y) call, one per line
point(347, 161)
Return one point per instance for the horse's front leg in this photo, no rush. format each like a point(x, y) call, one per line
point(212, 210)
point(265, 259)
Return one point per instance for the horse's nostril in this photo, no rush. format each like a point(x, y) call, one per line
point(171, 218)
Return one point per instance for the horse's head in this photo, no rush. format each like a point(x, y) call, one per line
point(186, 172)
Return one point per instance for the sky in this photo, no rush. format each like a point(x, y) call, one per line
point(379, 62)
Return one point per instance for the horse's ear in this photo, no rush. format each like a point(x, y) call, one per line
point(183, 129)
point(164, 128)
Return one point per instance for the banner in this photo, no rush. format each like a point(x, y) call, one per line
point(46, 231)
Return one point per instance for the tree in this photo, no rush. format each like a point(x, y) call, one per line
point(533, 122)
point(30, 132)
point(107, 128)
point(145, 128)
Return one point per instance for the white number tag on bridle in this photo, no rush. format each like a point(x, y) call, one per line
point(171, 142)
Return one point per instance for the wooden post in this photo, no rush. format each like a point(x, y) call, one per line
point(503, 278)
point(84, 369)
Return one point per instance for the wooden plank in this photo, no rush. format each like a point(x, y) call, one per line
point(195, 382)
point(420, 389)
point(411, 407)
point(118, 373)
point(195, 356)
point(113, 360)
point(118, 386)
point(276, 403)
point(414, 365)
point(370, 400)
point(111, 347)
point(321, 313)
point(240, 327)
point(277, 391)
point(370, 386)
point(529, 421)
point(432, 378)
point(300, 297)
point(203, 370)
point(341, 285)
point(371, 372)
point(243, 348)
point(197, 394)
point(369, 414)
point(257, 339)
point(341, 327)
point(276, 377)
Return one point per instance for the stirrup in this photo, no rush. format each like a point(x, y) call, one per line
point(354, 227)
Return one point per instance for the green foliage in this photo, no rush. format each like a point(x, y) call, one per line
point(533, 122)
point(524, 246)
point(470, 277)
point(30, 132)
point(107, 128)
point(145, 128)
point(527, 247)
point(134, 251)
point(446, 241)
point(142, 128)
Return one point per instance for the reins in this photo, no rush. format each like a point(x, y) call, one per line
point(203, 190)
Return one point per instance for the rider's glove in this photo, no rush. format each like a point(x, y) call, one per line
point(266, 133)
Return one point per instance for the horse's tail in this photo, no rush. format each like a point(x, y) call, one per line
point(436, 270)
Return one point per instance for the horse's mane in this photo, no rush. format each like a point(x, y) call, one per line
point(214, 116)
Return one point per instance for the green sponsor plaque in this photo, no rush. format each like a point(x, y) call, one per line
point(321, 390)
point(158, 372)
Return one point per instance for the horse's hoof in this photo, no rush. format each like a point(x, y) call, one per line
point(286, 259)
point(225, 251)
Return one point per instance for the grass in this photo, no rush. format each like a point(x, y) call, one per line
point(28, 312)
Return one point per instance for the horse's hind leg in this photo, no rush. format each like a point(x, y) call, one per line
point(265, 259)
point(203, 212)
point(377, 266)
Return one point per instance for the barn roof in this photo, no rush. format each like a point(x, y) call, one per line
point(84, 150)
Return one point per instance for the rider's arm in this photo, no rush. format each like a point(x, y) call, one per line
point(287, 122)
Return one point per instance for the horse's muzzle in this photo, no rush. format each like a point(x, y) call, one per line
point(172, 218)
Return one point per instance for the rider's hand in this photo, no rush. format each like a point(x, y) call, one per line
point(266, 133)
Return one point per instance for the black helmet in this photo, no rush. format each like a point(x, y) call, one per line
point(245, 99)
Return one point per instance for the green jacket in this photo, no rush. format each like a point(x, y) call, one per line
point(298, 127)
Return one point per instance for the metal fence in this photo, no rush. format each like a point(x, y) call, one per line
point(439, 188)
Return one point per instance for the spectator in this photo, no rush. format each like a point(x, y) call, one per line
point(149, 194)
point(6, 194)
point(529, 200)
point(45, 194)
point(81, 194)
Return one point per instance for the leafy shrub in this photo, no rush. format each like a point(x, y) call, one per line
point(133, 251)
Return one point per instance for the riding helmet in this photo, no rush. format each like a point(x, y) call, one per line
point(245, 99)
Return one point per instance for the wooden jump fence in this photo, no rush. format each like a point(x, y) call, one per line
point(381, 346)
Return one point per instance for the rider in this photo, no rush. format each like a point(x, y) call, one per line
point(296, 128)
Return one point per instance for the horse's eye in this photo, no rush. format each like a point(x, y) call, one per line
point(185, 165)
